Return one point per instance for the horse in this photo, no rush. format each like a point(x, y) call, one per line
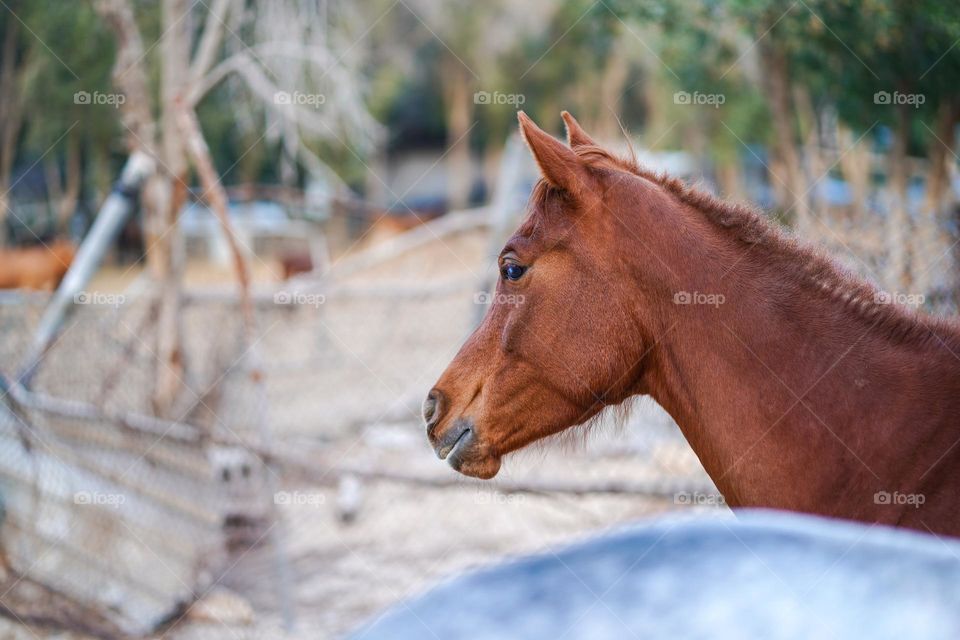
point(40, 268)
point(799, 386)
point(388, 224)
point(772, 575)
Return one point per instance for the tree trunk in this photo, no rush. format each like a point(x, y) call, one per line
point(166, 251)
point(897, 276)
point(730, 180)
point(612, 84)
point(101, 178)
point(855, 164)
point(54, 183)
point(216, 197)
point(776, 73)
point(931, 242)
point(11, 117)
point(64, 190)
point(492, 157)
point(816, 167)
point(129, 74)
point(72, 184)
point(166, 259)
point(459, 99)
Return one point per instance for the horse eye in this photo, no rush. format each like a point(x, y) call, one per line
point(513, 272)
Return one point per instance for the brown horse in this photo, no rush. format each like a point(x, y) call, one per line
point(798, 385)
point(388, 225)
point(39, 268)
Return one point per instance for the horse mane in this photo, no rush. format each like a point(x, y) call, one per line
point(815, 269)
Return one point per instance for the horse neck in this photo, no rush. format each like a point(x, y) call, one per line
point(780, 380)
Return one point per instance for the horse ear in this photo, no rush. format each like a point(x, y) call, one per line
point(576, 136)
point(559, 165)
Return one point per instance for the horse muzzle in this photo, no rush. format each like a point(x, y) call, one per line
point(457, 440)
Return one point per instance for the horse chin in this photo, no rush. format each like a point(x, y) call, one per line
point(467, 452)
point(485, 467)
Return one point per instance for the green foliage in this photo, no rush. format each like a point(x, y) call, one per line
point(841, 52)
point(67, 51)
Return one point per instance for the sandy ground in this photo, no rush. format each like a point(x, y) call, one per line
point(402, 538)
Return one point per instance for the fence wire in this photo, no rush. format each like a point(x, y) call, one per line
point(129, 523)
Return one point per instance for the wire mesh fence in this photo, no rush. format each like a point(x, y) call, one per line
point(307, 494)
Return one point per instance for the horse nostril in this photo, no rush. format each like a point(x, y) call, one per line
point(431, 408)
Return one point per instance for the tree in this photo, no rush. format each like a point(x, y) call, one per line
point(69, 125)
point(13, 70)
point(893, 62)
point(286, 59)
point(470, 37)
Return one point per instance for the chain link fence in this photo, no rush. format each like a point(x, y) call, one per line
point(289, 488)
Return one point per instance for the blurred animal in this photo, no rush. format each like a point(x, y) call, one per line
point(40, 267)
point(293, 263)
point(798, 385)
point(388, 225)
point(768, 575)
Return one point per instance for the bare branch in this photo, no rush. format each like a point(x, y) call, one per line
point(318, 168)
point(216, 195)
point(129, 75)
point(211, 39)
point(263, 88)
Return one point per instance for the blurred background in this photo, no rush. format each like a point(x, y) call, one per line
point(290, 212)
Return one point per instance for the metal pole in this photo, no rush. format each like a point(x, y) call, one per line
point(114, 212)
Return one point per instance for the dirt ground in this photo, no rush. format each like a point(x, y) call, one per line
point(400, 539)
point(354, 549)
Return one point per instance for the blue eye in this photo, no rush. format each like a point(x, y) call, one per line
point(512, 272)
